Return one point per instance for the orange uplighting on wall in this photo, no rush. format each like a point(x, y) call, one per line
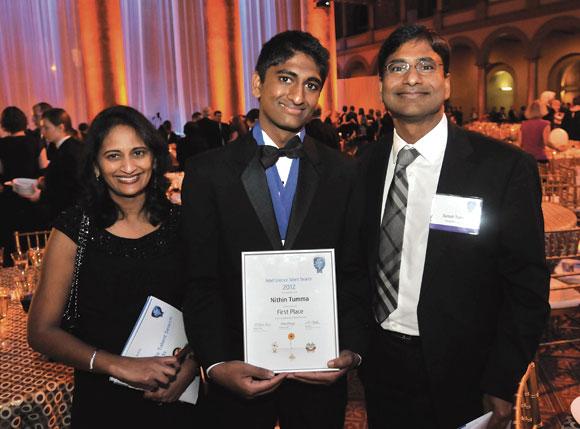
point(320, 23)
point(102, 53)
point(224, 55)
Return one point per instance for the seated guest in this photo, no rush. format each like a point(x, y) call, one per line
point(20, 156)
point(132, 250)
point(534, 133)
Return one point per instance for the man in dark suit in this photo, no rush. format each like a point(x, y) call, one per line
point(234, 200)
point(324, 133)
point(209, 130)
point(225, 129)
point(455, 253)
point(61, 187)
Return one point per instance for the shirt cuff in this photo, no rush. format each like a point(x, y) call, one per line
point(207, 371)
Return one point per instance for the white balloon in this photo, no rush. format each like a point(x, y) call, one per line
point(547, 96)
point(559, 137)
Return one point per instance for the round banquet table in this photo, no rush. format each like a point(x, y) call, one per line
point(557, 217)
point(34, 392)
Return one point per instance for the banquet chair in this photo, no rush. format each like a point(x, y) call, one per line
point(559, 185)
point(29, 240)
point(563, 259)
point(527, 404)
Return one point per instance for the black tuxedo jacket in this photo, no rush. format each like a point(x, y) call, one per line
point(62, 187)
point(227, 209)
point(483, 300)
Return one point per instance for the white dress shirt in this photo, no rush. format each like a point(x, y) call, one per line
point(284, 163)
point(423, 177)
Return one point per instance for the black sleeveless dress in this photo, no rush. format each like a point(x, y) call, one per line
point(116, 277)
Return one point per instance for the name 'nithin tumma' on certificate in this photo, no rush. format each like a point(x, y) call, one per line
point(290, 311)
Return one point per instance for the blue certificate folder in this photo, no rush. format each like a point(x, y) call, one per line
point(159, 331)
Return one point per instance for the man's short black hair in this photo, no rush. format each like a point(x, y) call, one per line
point(406, 33)
point(285, 45)
point(252, 115)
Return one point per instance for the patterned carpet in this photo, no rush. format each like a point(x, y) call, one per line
point(558, 372)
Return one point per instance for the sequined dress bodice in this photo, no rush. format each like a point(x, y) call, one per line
point(117, 274)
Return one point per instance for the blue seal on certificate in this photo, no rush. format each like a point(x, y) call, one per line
point(156, 312)
point(319, 263)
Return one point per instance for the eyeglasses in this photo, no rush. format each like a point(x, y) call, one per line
point(399, 68)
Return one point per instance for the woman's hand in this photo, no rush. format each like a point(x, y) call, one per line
point(173, 391)
point(146, 373)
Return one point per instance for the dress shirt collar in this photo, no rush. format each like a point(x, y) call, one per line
point(269, 142)
point(431, 146)
point(61, 141)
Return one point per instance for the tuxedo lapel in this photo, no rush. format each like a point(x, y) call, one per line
point(308, 180)
point(256, 187)
point(455, 172)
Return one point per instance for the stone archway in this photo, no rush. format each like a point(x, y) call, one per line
point(463, 68)
point(509, 33)
point(500, 86)
point(356, 66)
point(564, 78)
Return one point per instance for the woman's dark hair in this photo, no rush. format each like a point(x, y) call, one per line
point(13, 119)
point(406, 33)
point(285, 45)
point(59, 116)
point(95, 196)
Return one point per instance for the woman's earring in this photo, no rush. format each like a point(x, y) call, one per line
point(97, 174)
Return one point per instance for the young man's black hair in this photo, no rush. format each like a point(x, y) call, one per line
point(285, 45)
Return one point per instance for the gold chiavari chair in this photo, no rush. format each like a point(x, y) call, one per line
point(563, 258)
point(30, 240)
point(527, 403)
point(559, 186)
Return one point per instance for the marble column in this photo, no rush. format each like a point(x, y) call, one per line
point(481, 96)
point(532, 80)
point(224, 57)
point(101, 45)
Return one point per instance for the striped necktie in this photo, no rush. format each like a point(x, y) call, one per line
point(391, 238)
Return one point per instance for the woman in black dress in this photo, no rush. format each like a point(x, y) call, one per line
point(21, 155)
point(133, 251)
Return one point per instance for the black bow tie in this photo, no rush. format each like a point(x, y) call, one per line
point(269, 154)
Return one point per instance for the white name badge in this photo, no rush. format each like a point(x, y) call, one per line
point(456, 214)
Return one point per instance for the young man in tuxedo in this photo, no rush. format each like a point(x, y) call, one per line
point(248, 196)
point(455, 254)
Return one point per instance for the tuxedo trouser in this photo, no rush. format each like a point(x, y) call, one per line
point(396, 383)
point(294, 405)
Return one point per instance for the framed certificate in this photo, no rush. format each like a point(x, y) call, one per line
point(290, 311)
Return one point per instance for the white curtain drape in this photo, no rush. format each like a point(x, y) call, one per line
point(165, 60)
point(164, 48)
point(259, 23)
point(39, 56)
